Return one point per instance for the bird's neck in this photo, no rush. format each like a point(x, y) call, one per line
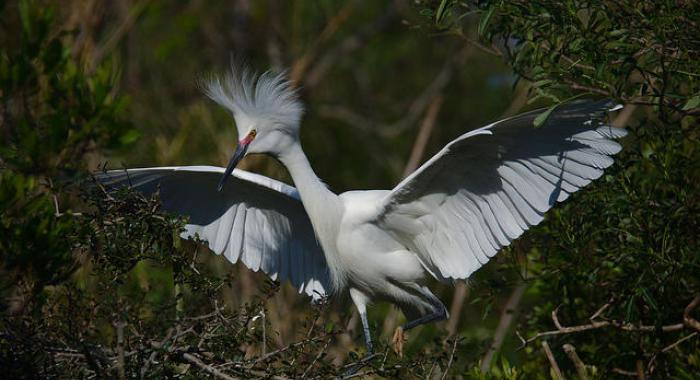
point(324, 207)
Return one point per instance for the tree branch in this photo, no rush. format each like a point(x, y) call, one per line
point(552, 361)
point(570, 351)
point(688, 322)
point(206, 367)
point(507, 316)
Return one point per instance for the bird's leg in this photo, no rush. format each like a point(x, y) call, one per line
point(439, 313)
point(368, 337)
point(360, 300)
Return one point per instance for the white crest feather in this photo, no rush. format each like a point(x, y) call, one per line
point(251, 96)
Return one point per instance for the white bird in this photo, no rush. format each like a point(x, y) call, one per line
point(445, 221)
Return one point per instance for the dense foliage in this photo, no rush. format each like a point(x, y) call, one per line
point(97, 284)
point(620, 260)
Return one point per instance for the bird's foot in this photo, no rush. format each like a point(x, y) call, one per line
point(354, 367)
point(398, 339)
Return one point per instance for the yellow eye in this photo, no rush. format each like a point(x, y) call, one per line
point(253, 133)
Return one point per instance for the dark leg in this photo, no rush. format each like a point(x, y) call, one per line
point(439, 313)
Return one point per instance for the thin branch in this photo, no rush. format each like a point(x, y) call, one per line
point(594, 325)
point(120, 350)
point(426, 129)
point(623, 372)
point(552, 361)
point(479, 45)
point(318, 356)
point(570, 351)
point(679, 341)
point(460, 295)
point(284, 349)
point(154, 354)
point(507, 316)
point(302, 64)
point(687, 319)
point(117, 35)
point(640, 370)
point(449, 362)
point(207, 368)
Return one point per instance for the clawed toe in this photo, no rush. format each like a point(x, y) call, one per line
point(398, 339)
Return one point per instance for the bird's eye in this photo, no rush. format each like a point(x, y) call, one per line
point(253, 133)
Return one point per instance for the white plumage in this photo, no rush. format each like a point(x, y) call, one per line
point(257, 220)
point(478, 194)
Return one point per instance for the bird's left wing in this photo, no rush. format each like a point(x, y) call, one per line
point(257, 220)
point(488, 186)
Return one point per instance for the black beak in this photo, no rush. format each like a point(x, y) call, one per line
point(237, 156)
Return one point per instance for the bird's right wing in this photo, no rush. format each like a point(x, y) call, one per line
point(257, 220)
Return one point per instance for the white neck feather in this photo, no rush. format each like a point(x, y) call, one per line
point(324, 207)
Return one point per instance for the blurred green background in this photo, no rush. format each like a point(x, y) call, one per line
point(386, 84)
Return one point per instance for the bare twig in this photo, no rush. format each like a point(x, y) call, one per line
point(671, 346)
point(640, 370)
point(206, 367)
point(623, 117)
point(600, 324)
point(479, 45)
point(120, 350)
point(301, 65)
point(460, 295)
point(599, 311)
point(318, 356)
point(687, 319)
point(449, 362)
point(117, 35)
point(55, 204)
point(154, 354)
point(555, 319)
point(679, 341)
point(284, 349)
point(570, 351)
point(355, 367)
point(623, 372)
point(507, 315)
point(426, 129)
point(552, 361)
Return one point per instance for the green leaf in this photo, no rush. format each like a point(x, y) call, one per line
point(26, 16)
point(130, 137)
point(484, 22)
point(440, 11)
point(426, 12)
point(542, 118)
point(647, 297)
point(694, 102)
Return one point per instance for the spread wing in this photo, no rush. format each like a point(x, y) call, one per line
point(255, 219)
point(488, 186)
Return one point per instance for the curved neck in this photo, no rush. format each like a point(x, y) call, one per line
point(315, 196)
point(324, 207)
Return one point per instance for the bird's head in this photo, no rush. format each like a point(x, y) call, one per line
point(266, 110)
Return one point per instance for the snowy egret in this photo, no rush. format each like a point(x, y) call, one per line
point(447, 219)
